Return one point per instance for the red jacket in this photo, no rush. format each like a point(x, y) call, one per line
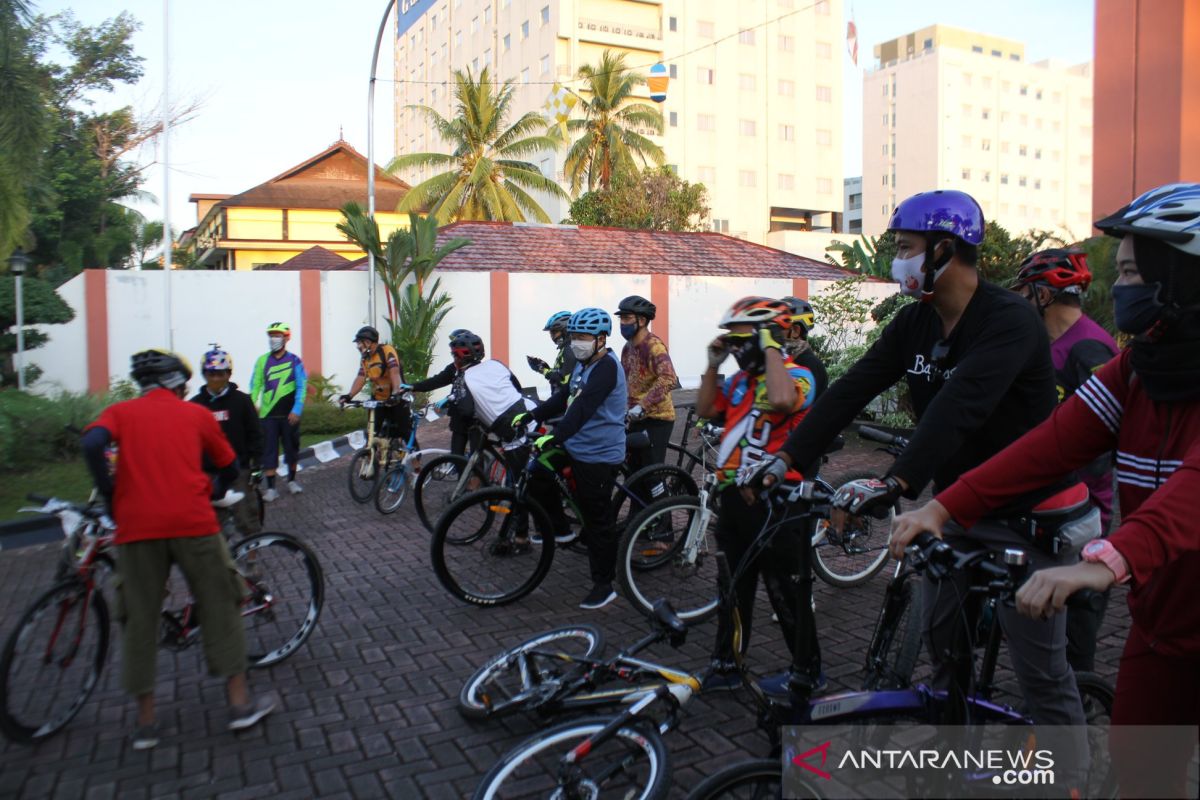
point(1158, 482)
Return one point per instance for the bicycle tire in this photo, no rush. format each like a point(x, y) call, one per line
point(1097, 697)
point(474, 700)
point(430, 496)
point(43, 716)
point(646, 486)
point(475, 568)
point(650, 567)
point(282, 602)
point(362, 488)
point(833, 564)
point(758, 779)
point(632, 747)
point(896, 642)
point(687, 460)
point(392, 489)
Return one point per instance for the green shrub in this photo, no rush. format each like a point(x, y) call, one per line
point(33, 428)
point(328, 418)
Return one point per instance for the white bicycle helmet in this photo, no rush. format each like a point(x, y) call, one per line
point(1169, 213)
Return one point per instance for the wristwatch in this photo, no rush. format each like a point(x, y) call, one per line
point(1101, 551)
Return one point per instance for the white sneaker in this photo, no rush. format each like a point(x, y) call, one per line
point(270, 496)
point(294, 487)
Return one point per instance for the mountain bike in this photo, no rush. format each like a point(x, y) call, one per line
point(448, 477)
point(397, 475)
point(54, 656)
point(479, 549)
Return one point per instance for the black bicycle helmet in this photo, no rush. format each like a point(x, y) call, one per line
point(367, 333)
point(159, 368)
point(454, 334)
point(636, 304)
point(802, 313)
point(467, 347)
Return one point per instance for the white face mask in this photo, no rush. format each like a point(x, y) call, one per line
point(276, 343)
point(907, 273)
point(583, 350)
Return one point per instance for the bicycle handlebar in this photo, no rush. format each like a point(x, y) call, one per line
point(883, 437)
point(938, 559)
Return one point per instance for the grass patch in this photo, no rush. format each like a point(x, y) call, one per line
point(68, 480)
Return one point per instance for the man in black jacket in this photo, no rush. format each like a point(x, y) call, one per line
point(238, 417)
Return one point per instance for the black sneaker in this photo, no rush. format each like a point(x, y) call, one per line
point(601, 595)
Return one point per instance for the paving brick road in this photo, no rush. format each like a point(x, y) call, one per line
point(368, 705)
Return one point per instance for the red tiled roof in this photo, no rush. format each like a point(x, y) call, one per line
point(317, 258)
point(564, 248)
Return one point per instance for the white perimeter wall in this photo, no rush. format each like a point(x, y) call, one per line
point(63, 359)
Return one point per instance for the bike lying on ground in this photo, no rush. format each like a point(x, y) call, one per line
point(53, 658)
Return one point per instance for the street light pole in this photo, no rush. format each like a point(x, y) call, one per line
point(373, 320)
point(17, 264)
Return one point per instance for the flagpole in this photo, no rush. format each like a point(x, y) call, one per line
point(371, 159)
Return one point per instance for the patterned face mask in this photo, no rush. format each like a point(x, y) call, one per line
point(276, 343)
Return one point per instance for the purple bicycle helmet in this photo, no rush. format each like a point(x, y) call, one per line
point(941, 211)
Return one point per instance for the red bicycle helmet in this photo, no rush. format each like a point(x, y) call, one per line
point(1060, 269)
point(758, 311)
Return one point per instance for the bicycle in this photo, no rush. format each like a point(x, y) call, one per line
point(448, 477)
point(666, 551)
point(395, 479)
point(479, 549)
point(383, 455)
point(52, 660)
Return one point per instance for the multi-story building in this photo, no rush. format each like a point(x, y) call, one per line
point(753, 110)
point(947, 108)
point(852, 203)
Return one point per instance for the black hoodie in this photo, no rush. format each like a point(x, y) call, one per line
point(238, 417)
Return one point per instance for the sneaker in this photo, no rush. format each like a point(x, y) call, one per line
point(601, 595)
point(249, 715)
point(294, 487)
point(562, 538)
point(270, 496)
point(777, 685)
point(145, 737)
point(721, 680)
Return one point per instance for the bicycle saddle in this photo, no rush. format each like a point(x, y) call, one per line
point(665, 616)
point(637, 441)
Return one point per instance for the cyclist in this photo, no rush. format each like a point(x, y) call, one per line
point(650, 378)
point(592, 433)
point(796, 344)
point(761, 404)
point(564, 361)
point(380, 364)
point(235, 412)
point(277, 386)
point(161, 502)
point(977, 364)
point(466, 350)
point(1145, 404)
point(1054, 282)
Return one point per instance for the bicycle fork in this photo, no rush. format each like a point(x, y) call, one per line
point(570, 774)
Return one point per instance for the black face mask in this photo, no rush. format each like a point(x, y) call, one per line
point(748, 355)
point(1136, 308)
point(1166, 353)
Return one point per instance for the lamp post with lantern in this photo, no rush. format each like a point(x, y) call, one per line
point(18, 262)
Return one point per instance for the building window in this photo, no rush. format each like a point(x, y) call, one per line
point(1021, 181)
point(787, 133)
point(1037, 184)
point(1038, 95)
point(787, 88)
point(706, 122)
point(966, 174)
point(475, 65)
point(884, 178)
point(1004, 179)
point(787, 43)
point(673, 24)
point(966, 142)
point(987, 82)
point(987, 177)
point(524, 30)
point(746, 82)
point(433, 96)
point(458, 38)
point(545, 15)
point(674, 119)
point(720, 225)
point(885, 119)
point(747, 127)
point(1024, 90)
point(487, 57)
point(929, 44)
point(966, 110)
point(1004, 147)
point(997, 54)
point(824, 50)
point(986, 113)
point(444, 51)
point(746, 37)
point(1014, 56)
point(986, 144)
point(487, 15)
point(976, 48)
point(706, 175)
point(474, 24)
point(1037, 154)
point(1022, 150)
point(507, 42)
point(747, 178)
point(825, 138)
point(704, 29)
point(525, 75)
point(885, 149)
point(825, 94)
point(704, 75)
point(824, 186)
point(545, 65)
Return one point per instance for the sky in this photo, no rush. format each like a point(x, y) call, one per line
point(279, 80)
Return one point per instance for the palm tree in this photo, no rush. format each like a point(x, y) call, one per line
point(608, 144)
point(22, 121)
point(486, 176)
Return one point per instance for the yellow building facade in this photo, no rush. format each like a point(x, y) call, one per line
point(291, 213)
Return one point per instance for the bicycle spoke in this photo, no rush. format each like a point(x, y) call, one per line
point(284, 595)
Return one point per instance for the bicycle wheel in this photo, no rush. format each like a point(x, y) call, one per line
point(667, 552)
point(760, 779)
point(52, 661)
point(632, 764)
point(854, 556)
point(687, 460)
point(285, 590)
point(363, 476)
point(481, 550)
point(512, 681)
point(1097, 697)
point(392, 489)
point(896, 643)
point(439, 485)
point(647, 485)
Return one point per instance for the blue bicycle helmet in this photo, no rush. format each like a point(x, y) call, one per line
point(558, 321)
point(590, 320)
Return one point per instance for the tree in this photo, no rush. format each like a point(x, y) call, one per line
point(1102, 260)
point(655, 199)
point(486, 176)
point(870, 255)
point(23, 121)
point(42, 306)
point(608, 143)
point(405, 264)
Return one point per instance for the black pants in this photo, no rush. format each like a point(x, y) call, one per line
point(394, 421)
point(594, 485)
point(276, 430)
point(786, 567)
point(659, 431)
point(1085, 612)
